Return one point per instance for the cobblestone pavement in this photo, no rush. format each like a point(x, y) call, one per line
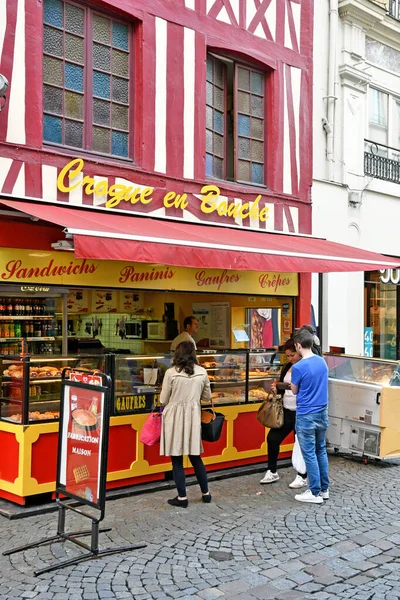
point(251, 542)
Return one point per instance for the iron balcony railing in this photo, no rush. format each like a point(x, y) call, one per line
point(382, 162)
point(394, 9)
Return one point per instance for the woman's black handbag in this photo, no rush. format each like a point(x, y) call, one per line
point(211, 425)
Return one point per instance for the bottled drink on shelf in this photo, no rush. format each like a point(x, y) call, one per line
point(12, 329)
point(31, 328)
point(6, 330)
point(28, 307)
point(9, 307)
point(17, 329)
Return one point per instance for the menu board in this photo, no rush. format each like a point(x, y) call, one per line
point(78, 301)
point(130, 302)
point(104, 301)
point(214, 323)
point(81, 442)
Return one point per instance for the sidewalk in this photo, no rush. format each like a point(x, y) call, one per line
point(252, 541)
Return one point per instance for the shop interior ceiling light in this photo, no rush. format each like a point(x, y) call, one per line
point(3, 91)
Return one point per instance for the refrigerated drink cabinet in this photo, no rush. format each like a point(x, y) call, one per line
point(364, 406)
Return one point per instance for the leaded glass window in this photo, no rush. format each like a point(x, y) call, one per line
point(86, 66)
point(235, 124)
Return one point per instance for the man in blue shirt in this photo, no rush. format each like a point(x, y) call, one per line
point(310, 384)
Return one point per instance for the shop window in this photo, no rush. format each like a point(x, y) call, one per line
point(86, 66)
point(381, 314)
point(235, 121)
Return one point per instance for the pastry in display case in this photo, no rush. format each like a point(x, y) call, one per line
point(138, 381)
point(31, 386)
point(227, 374)
point(264, 367)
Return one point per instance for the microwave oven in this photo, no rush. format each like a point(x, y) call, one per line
point(156, 330)
point(135, 330)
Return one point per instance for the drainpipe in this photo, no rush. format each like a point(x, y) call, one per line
point(329, 124)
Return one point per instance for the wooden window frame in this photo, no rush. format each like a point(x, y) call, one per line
point(222, 58)
point(87, 94)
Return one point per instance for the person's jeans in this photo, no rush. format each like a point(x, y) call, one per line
point(311, 432)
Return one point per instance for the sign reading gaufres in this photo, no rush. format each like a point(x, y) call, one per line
point(34, 268)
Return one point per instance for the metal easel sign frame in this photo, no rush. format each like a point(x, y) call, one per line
point(82, 464)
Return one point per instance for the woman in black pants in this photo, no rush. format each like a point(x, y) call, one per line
point(276, 436)
point(185, 385)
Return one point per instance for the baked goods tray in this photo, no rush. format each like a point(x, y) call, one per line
point(227, 381)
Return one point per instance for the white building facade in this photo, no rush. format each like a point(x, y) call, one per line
point(356, 186)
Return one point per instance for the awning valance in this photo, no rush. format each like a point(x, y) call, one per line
point(107, 236)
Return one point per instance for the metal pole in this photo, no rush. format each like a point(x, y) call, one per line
point(65, 325)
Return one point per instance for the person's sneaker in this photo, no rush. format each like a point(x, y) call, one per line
point(269, 477)
point(325, 495)
point(308, 496)
point(298, 482)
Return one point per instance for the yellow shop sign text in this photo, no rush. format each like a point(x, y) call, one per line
point(38, 268)
point(70, 179)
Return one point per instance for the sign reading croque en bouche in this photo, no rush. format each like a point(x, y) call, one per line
point(71, 178)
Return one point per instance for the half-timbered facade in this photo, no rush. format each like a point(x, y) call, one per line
point(170, 96)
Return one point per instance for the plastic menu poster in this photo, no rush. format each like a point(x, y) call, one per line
point(78, 301)
point(81, 442)
point(104, 301)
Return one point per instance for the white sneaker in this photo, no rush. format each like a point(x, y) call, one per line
point(325, 495)
point(308, 496)
point(298, 482)
point(269, 477)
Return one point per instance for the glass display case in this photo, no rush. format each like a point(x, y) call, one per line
point(236, 376)
point(31, 386)
point(138, 381)
point(364, 406)
point(363, 370)
point(264, 367)
point(227, 372)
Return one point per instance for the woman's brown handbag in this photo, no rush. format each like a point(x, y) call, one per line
point(270, 413)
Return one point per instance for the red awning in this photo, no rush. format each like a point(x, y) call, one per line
point(106, 236)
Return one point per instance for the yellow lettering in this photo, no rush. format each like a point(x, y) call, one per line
point(123, 405)
point(242, 212)
point(101, 188)
point(116, 193)
point(118, 403)
point(264, 213)
point(88, 184)
point(144, 195)
point(255, 210)
point(169, 199)
point(181, 201)
point(66, 171)
point(209, 192)
point(142, 401)
point(222, 208)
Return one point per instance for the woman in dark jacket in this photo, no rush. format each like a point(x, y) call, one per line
point(276, 436)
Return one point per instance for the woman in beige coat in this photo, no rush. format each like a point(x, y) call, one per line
point(185, 385)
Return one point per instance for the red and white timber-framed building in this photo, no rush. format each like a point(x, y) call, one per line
point(168, 137)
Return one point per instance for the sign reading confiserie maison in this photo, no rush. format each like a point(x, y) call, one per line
point(37, 267)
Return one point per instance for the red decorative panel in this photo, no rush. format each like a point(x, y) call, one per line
point(248, 434)
point(44, 458)
point(152, 455)
point(8, 456)
point(121, 448)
